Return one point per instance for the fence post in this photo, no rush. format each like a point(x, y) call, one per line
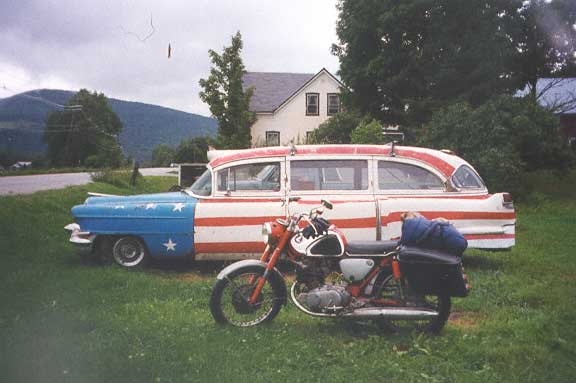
point(134, 174)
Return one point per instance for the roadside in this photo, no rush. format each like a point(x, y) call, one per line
point(33, 183)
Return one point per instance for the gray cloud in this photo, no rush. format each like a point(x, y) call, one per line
point(97, 44)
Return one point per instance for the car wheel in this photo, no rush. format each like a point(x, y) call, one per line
point(129, 252)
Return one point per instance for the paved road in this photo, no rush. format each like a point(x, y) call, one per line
point(31, 184)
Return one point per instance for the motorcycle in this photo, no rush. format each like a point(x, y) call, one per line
point(381, 281)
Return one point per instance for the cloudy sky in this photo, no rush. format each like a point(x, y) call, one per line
point(119, 47)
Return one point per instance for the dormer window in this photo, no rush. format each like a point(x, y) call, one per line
point(312, 104)
point(333, 104)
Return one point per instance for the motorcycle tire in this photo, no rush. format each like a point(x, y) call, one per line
point(441, 303)
point(229, 300)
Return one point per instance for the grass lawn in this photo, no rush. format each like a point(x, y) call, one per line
point(62, 319)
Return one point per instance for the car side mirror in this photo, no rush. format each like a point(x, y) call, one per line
point(327, 204)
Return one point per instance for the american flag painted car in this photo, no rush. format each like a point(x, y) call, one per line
point(220, 216)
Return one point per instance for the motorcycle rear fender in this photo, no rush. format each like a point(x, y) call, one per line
point(275, 277)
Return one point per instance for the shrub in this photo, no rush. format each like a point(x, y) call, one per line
point(335, 130)
point(368, 132)
point(119, 178)
point(504, 138)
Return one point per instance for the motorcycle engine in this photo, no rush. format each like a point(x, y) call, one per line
point(325, 297)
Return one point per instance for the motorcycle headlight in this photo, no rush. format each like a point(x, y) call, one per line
point(266, 232)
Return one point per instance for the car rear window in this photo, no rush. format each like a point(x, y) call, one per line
point(466, 178)
point(401, 176)
point(259, 176)
point(329, 175)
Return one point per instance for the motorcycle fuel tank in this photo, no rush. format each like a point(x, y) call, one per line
point(356, 269)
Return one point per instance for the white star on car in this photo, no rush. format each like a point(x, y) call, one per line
point(178, 206)
point(150, 206)
point(170, 245)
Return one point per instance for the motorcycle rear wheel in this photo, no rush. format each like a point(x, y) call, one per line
point(229, 303)
point(390, 289)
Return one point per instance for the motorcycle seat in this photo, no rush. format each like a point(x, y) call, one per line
point(372, 248)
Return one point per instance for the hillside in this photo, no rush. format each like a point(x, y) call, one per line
point(23, 116)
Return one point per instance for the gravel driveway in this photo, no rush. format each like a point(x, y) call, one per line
point(32, 184)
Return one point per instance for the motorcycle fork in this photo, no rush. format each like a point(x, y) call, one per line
point(271, 262)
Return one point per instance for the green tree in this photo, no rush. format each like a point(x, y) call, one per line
point(402, 60)
point(163, 155)
point(85, 135)
point(368, 132)
point(228, 102)
point(546, 42)
point(335, 130)
point(503, 139)
point(192, 150)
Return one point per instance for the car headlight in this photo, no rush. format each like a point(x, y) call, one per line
point(266, 232)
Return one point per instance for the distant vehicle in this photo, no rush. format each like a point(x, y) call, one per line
point(220, 215)
point(21, 165)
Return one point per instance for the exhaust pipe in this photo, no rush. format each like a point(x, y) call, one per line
point(391, 313)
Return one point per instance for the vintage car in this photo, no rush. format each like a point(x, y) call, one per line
point(220, 216)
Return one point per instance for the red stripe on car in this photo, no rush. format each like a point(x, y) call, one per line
point(348, 223)
point(436, 162)
point(229, 247)
point(451, 215)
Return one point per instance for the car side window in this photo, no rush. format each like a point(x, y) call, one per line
point(400, 176)
point(466, 178)
point(329, 175)
point(259, 176)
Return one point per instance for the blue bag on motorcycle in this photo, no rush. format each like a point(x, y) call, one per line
point(433, 235)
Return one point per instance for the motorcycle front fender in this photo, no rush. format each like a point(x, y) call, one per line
point(275, 277)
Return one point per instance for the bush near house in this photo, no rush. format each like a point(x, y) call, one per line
point(504, 139)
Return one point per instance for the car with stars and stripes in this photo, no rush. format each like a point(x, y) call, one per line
point(220, 216)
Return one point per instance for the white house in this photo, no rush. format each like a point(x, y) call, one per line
point(289, 106)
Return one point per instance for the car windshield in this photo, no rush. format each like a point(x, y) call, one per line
point(203, 185)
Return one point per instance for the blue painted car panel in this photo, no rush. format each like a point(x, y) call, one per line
point(165, 221)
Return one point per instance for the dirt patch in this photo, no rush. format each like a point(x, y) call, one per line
point(468, 320)
point(568, 277)
point(192, 277)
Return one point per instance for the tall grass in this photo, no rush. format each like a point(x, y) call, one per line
point(119, 178)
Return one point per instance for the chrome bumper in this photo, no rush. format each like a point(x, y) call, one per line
point(82, 239)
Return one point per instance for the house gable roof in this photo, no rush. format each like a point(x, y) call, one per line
point(272, 90)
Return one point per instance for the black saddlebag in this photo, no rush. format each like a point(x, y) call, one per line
point(433, 272)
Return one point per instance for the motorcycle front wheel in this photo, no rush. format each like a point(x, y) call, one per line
point(229, 303)
point(390, 289)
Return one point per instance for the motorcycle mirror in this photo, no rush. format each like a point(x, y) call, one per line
point(327, 204)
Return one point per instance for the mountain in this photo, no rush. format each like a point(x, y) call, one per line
point(23, 117)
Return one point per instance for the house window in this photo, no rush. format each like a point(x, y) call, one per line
point(272, 138)
point(312, 104)
point(333, 104)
